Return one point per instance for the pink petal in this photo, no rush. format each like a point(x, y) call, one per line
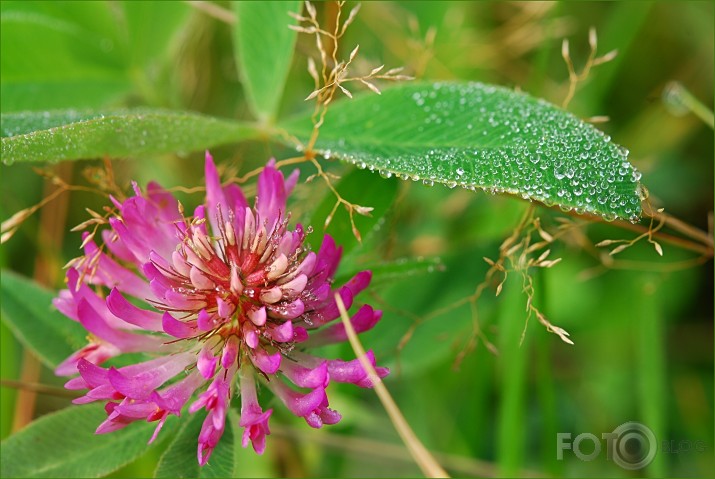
point(116, 247)
point(250, 335)
point(66, 304)
point(230, 352)
point(359, 282)
point(306, 377)
point(271, 195)
point(253, 419)
point(206, 362)
point(300, 334)
point(95, 352)
point(364, 320)
point(366, 383)
point(225, 309)
point(268, 363)
point(174, 397)
point(304, 268)
point(126, 342)
point(294, 287)
point(109, 273)
point(327, 260)
point(199, 279)
point(271, 295)
point(227, 199)
point(208, 439)
point(126, 311)
point(329, 311)
point(206, 321)
point(80, 291)
point(322, 415)
point(352, 371)
point(281, 333)
point(299, 404)
point(258, 316)
point(287, 311)
point(176, 328)
point(292, 181)
point(92, 374)
point(141, 386)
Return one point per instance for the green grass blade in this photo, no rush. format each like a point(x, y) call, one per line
point(651, 347)
point(511, 433)
point(387, 272)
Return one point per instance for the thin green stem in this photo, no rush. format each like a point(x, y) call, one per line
point(650, 343)
point(513, 358)
point(678, 96)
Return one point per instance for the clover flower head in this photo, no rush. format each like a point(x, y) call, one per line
point(222, 302)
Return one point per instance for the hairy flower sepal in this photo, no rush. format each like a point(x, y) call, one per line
point(224, 301)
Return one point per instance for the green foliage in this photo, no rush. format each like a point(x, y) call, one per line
point(387, 272)
point(179, 459)
point(71, 135)
point(78, 55)
point(264, 45)
point(356, 184)
point(481, 136)
point(27, 310)
point(81, 80)
point(63, 444)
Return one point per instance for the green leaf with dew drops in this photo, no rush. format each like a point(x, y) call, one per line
point(73, 135)
point(475, 135)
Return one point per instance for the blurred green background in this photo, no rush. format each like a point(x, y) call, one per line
point(642, 327)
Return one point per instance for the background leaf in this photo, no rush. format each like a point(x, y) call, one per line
point(179, 460)
point(264, 45)
point(70, 135)
point(63, 444)
point(481, 136)
point(84, 56)
point(65, 58)
point(150, 27)
point(643, 338)
point(371, 191)
point(399, 269)
point(27, 310)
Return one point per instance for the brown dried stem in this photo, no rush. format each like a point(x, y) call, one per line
point(592, 61)
point(422, 456)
